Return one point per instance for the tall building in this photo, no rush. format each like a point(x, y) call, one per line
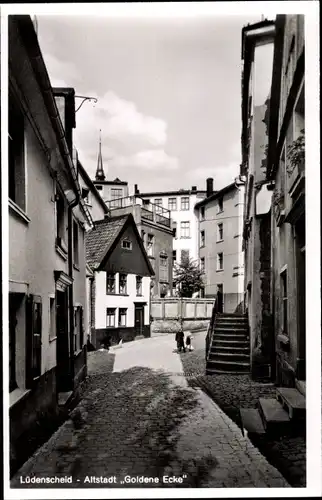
point(286, 171)
point(257, 56)
point(47, 266)
point(181, 206)
point(220, 232)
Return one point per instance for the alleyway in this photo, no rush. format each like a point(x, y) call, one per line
point(142, 422)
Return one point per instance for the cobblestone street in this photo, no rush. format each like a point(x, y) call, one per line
point(140, 421)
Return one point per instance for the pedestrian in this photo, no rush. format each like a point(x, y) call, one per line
point(220, 301)
point(180, 340)
point(189, 342)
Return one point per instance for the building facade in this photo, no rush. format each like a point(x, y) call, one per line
point(154, 226)
point(120, 282)
point(47, 222)
point(286, 170)
point(220, 245)
point(257, 55)
point(184, 221)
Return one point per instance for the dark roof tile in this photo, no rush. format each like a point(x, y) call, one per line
point(100, 239)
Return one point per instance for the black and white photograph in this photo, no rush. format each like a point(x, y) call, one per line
point(161, 307)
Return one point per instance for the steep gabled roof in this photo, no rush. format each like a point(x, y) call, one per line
point(101, 241)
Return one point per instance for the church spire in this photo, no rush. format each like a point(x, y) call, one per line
point(100, 176)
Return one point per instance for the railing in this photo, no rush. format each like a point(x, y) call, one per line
point(149, 211)
point(211, 326)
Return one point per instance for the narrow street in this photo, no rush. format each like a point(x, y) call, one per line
point(139, 424)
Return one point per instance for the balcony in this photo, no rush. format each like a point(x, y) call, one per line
point(149, 211)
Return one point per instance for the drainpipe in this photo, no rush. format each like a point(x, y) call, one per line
point(73, 204)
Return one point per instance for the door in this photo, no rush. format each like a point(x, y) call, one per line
point(139, 319)
point(62, 349)
point(300, 254)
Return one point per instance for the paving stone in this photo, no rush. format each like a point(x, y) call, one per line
point(141, 420)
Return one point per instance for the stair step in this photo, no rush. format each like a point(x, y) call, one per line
point(252, 420)
point(230, 349)
point(228, 356)
point(228, 365)
point(217, 371)
point(228, 324)
point(230, 343)
point(273, 413)
point(230, 328)
point(231, 315)
point(241, 337)
point(292, 400)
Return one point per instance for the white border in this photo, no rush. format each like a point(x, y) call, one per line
point(313, 325)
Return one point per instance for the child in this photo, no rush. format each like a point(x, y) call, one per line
point(189, 342)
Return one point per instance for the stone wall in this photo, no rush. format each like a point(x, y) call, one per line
point(167, 315)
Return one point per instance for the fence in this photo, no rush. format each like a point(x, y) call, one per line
point(169, 313)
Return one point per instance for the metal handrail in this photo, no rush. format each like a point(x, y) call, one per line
point(210, 331)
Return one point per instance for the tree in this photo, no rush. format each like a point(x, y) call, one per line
point(189, 277)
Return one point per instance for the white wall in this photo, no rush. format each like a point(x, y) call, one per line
point(103, 301)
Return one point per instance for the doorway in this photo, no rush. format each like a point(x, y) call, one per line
point(138, 319)
point(62, 344)
point(300, 265)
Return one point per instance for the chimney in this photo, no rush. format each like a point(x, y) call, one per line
point(136, 189)
point(65, 101)
point(194, 189)
point(210, 186)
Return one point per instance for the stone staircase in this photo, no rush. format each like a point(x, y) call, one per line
point(229, 350)
point(278, 416)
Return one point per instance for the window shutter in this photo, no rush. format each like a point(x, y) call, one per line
point(81, 327)
point(33, 338)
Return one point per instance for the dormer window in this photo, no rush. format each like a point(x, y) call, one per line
point(127, 244)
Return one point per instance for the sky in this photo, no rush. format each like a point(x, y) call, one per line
point(168, 90)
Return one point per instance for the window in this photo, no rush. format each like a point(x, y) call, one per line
point(220, 231)
point(122, 284)
point(52, 318)
point(164, 272)
point(110, 283)
point(122, 317)
point(150, 248)
point(75, 243)
point(284, 301)
point(185, 203)
point(158, 203)
point(60, 221)
point(202, 238)
point(110, 317)
point(174, 227)
point(220, 261)
point(220, 205)
point(116, 197)
point(202, 264)
point(139, 285)
point(202, 213)
point(172, 204)
point(78, 328)
point(16, 152)
point(174, 255)
point(185, 229)
point(127, 245)
point(184, 255)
